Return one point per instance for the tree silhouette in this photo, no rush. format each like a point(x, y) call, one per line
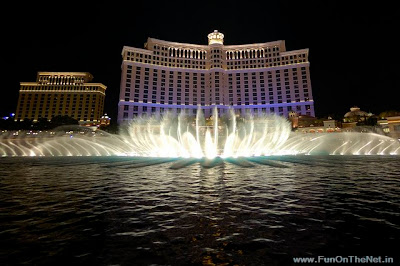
point(63, 120)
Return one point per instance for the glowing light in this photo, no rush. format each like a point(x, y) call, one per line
point(215, 37)
point(196, 138)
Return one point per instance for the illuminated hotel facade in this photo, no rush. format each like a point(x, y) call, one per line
point(61, 93)
point(176, 77)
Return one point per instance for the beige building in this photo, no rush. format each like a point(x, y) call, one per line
point(61, 93)
point(176, 77)
point(391, 126)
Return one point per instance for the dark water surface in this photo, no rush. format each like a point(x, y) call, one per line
point(102, 211)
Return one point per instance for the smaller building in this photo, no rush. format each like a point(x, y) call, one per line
point(356, 117)
point(391, 126)
point(331, 125)
point(105, 120)
point(299, 121)
point(310, 124)
point(59, 94)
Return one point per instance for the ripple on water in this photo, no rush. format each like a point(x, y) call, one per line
point(94, 210)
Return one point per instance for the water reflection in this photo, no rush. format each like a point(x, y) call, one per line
point(102, 211)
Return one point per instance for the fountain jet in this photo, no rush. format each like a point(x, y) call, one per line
point(245, 141)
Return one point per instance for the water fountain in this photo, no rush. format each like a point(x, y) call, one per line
point(188, 139)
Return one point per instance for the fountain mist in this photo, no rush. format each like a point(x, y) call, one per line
point(194, 137)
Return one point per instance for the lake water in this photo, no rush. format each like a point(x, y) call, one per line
point(103, 211)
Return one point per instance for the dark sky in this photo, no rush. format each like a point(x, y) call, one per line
point(353, 49)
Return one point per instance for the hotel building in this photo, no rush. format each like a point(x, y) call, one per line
point(177, 77)
point(61, 93)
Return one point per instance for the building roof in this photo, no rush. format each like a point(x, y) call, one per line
point(355, 111)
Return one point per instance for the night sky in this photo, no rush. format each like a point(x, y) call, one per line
point(353, 49)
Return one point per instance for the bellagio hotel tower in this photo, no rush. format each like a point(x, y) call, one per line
point(180, 77)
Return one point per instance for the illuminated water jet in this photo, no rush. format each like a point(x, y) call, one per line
point(185, 140)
